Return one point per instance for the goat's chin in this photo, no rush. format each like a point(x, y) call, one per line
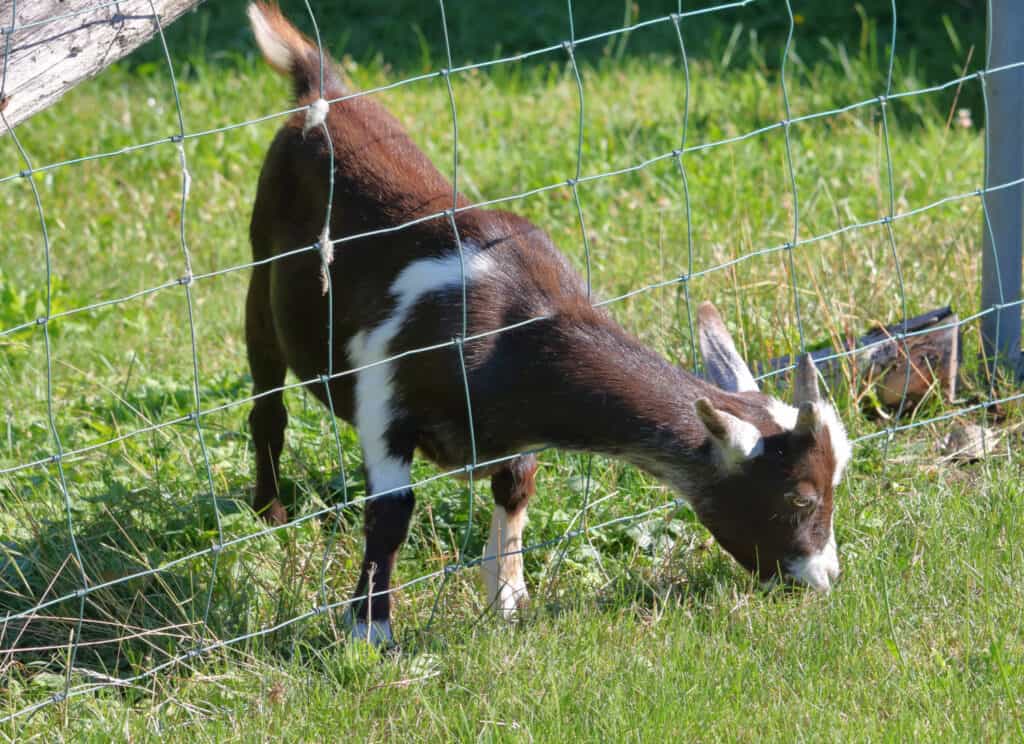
point(790, 584)
point(819, 583)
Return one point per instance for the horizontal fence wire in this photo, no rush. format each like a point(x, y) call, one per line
point(59, 456)
point(675, 280)
point(570, 183)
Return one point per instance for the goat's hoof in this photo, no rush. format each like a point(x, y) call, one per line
point(377, 633)
point(511, 602)
point(274, 513)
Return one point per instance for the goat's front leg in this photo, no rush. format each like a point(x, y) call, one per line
point(502, 564)
point(385, 525)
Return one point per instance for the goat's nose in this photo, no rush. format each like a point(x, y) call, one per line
point(819, 582)
point(817, 570)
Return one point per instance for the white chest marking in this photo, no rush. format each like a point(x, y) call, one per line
point(374, 388)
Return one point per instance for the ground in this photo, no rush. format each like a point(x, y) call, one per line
point(641, 629)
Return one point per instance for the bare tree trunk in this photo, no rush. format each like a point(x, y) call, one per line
point(49, 46)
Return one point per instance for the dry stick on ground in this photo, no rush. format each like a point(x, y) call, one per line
point(47, 48)
point(879, 358)
point(959, 87)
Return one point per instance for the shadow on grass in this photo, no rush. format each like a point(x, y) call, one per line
point(137, 623)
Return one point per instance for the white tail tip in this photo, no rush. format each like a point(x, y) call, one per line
point(273, 47)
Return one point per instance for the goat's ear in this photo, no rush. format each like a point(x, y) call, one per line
point(805, 382)
point(808, 420)
point(734, 439)
point(725, 367)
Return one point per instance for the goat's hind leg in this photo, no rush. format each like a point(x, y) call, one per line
point(502, 563)
point(268, 417)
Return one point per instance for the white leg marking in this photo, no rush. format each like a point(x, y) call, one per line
point(374, 388)
point(502, 566)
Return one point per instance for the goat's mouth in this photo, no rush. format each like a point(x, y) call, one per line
point(818, 571)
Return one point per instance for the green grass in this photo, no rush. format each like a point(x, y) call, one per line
point(641, 630)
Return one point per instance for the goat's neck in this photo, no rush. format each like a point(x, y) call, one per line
point(617, 397)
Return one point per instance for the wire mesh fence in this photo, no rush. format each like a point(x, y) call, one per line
point(189, 636)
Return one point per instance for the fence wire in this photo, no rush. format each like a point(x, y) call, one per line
point(60, 456)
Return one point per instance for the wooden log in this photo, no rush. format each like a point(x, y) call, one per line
point(879, 358)
point(49, 46)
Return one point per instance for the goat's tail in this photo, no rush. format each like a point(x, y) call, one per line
point(291, 52)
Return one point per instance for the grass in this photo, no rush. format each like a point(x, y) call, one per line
point(640, 630)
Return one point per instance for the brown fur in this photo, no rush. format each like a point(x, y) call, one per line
point(573, 379)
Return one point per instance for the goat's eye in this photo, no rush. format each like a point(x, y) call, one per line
point(799, 500)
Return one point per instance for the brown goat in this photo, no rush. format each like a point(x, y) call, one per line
point(759, 474)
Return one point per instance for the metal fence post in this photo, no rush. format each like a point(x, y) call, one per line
point(1004, 154)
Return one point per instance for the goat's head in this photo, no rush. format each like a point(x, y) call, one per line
point(776, 467)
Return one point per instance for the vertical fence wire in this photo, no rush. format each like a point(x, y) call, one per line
point(989, 230)
point(791, 172)
point(58, 456)
point(685, 278)
point(326, 250)
point(460, 341)
point(186, 181)
point(890, 231)
point(587, 460)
